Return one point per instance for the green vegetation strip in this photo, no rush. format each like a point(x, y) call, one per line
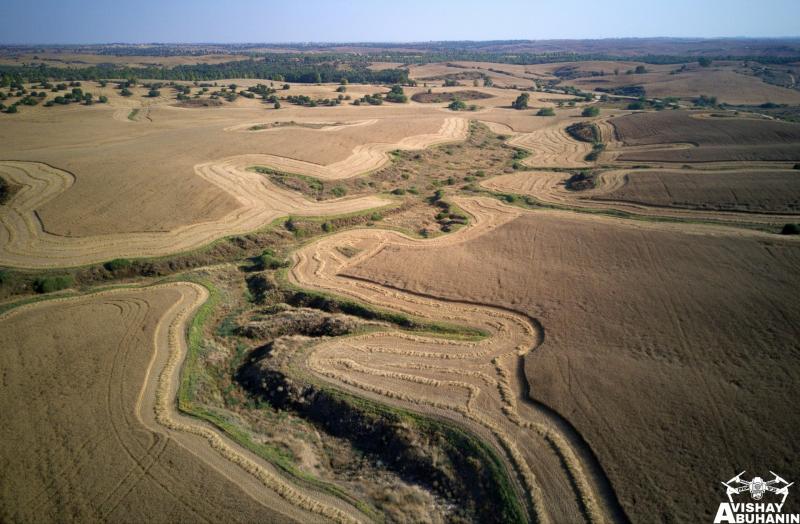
point(193, 377)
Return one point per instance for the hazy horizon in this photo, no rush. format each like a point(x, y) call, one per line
point(249, 21)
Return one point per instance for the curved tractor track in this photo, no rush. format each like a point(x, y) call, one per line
point(477, 383)
point(548, 187)
point(367, 157)
point(155, 410)
point(24, 241)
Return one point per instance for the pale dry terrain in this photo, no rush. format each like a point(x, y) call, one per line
point(477, 383)
point(91, 429)
point(663, 345)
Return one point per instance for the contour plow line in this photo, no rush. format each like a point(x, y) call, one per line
point(24, 242)
point(156, 409)
point(551, 146)
point(548, 187)
point(324, 127)
point(367, 157)
point(476, 383)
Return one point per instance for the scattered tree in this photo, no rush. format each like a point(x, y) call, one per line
point(590, 111)
point(521, 102)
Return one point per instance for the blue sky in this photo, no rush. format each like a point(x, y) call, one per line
point(90, 21)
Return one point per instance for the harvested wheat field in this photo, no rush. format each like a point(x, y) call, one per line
point(26, 241)
point(733, 195)
point(678, 136)
point(92, 434)
point(641, 327)
point(507, 281)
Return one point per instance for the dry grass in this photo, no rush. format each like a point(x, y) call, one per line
point(80, 443)
point(661, 347)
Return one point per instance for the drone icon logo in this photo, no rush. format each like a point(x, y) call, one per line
point(756, 510)
point(757, 487)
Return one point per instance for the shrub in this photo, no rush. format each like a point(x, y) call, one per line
point(268, 260)
point(399, 191)
point(327, 227)
point(521, 102)
point(153, 93)
point(635, 106)
point(590, 111)
point(457, 105)
point(546, 111)
point(339, 191)
point(791, 229)
point(375, 217)
point(51, 284)
point(797, 166)
point(117, 264)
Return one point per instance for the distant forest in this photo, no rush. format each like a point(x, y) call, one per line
point(316, 67)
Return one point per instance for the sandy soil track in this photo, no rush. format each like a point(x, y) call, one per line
point(124, 453)
point(25, 243)
point(548, 187)
point(479, 384)
point(367, 157)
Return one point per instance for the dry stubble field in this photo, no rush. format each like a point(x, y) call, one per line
point(623, 363)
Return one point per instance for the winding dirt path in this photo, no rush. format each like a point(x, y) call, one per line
point(24, 241)
point(479, 384)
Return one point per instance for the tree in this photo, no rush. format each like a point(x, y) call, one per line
point(277, 105)
point(457, 105)
point(397, 95)
point(286, 87)
point(153, 93)
point(521, 102)
point(317, 78)
point(487, 81)
point(546, 111)
point(103, 99)
point(640, 69)
point(704, 61)
point(12, 108)
point(590, 111)
point(125, 92)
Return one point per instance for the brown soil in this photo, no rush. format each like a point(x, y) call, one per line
point(773, 191)
point(661, 347)
point(705, 139)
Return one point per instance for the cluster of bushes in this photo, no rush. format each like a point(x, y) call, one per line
point(396, 95)
point(373, 100)
point(597, 148)
point(580, 181)
point(269, 260)
point(546, 111)
point(51, 284)
point(584, 131)
point(459, 105)
point(307, 101)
